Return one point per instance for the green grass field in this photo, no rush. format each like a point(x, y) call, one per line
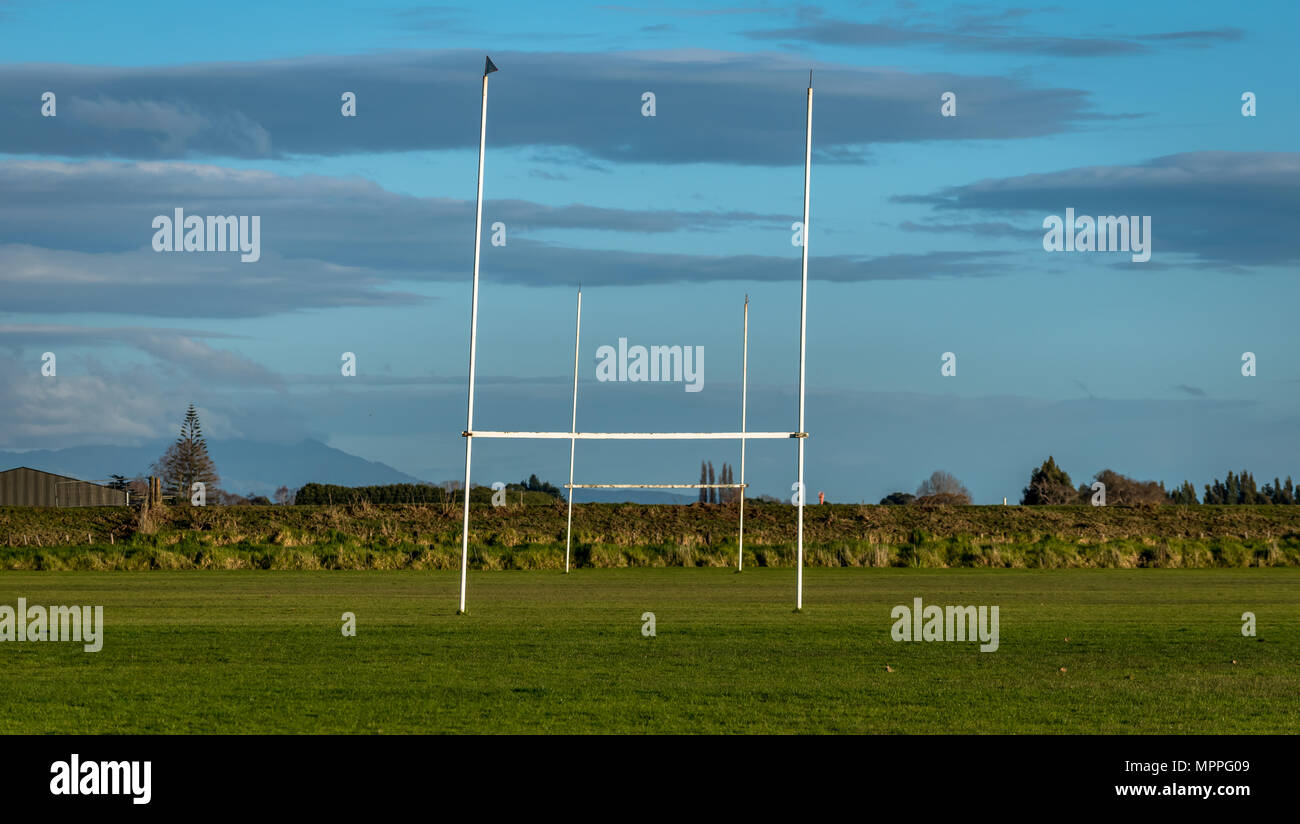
point(1149, 650)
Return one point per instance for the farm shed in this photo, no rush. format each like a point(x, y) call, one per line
point(32, 487)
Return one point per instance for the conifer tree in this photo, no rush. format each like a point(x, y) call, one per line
point(1249, 494)
point(186, 462)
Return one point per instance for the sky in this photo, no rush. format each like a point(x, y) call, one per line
point(926, 233)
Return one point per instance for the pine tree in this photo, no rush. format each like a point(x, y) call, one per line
point(1184, 495)
point(1220, 492)
point(186, 462)
point(704, 479)
point(1249, 493)
point(713, 493)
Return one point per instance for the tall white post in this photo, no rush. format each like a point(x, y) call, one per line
point(803, 332)
point(473, 340)
point(744, 394)
point(577, 337)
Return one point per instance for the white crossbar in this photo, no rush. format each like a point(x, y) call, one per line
point(634, 436)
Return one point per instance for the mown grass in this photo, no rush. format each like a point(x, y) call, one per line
point(1111, 651)
point(422, 537)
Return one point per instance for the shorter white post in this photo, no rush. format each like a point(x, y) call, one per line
point(744, 393)
point(573, 429)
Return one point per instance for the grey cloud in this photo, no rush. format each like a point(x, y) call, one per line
point(846, 33)
point(545, 175)
point(685, 12)
point(343, 242)
point(197, 359)
point(348, 220)
point(993, 33)
point(987, 228)
point(181, 353)
point(74, 409)
point(442, 19)
point(1224, 208)
point(144, 282)
point(1221, 35)
point(458, 381)
point(578, 216)
point(172, 127)
point(581, 106)
point(132, 288)
point(615, 268)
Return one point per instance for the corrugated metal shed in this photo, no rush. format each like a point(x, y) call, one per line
point(32, 487)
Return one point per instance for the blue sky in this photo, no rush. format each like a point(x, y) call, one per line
point(926, 232)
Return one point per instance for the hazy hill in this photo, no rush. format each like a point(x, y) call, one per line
point(246, 467)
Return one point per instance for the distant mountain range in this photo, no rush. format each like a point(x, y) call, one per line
point(245, 467)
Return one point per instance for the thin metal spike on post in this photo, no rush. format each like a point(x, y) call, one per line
point(473, 334)
point(577, 337)
point(803, 331)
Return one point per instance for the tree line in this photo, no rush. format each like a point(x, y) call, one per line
point(1050, 484)
point(531, 492)
point(314, 494)
point(187, 462)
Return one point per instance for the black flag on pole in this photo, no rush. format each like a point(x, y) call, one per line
point(488, 66)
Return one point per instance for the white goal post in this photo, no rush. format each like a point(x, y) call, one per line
point(573, 435)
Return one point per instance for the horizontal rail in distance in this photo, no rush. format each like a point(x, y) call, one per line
point(656, 486)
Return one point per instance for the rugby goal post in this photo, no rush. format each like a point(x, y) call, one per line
point(573, 435)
